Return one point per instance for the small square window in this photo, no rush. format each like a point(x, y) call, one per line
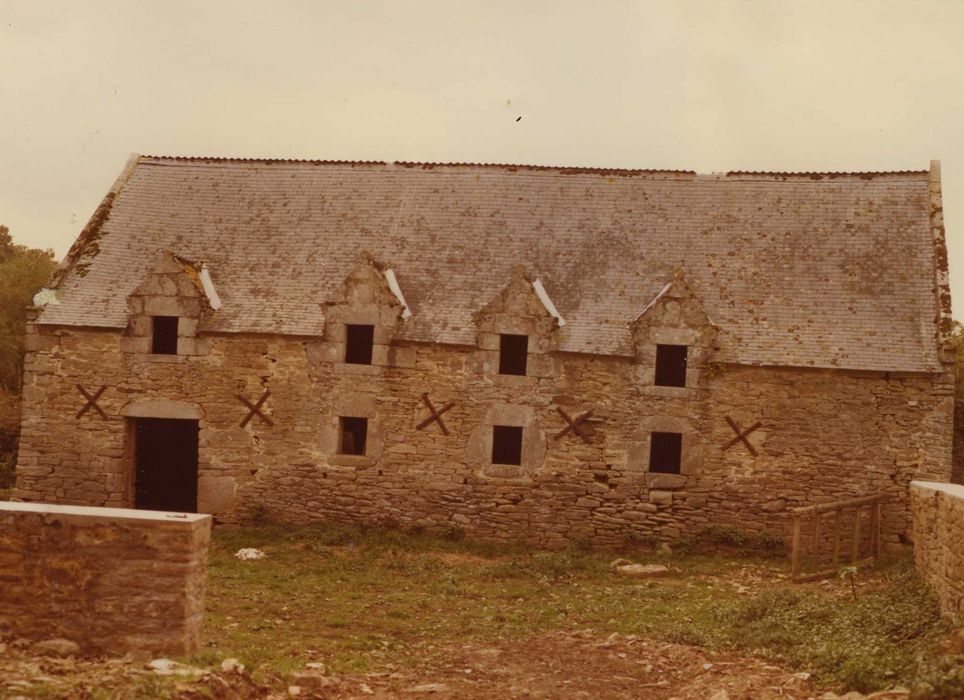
point(671, 365)
point(164, 335)
point(664, 452)
point(506, 444)
point(513, 354)
point(354, 435)
point(359, 341)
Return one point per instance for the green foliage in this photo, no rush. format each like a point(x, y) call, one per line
point(9, 430)
point(23, 271)
point(863, 644)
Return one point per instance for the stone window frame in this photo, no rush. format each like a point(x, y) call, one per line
point(138, 339)
point(478, 449)
point(694, 361)
point(355, 406)
point(691, 452)
point(332, 348)
point(539, 363)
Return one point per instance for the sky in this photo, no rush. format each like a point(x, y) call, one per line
point(697, 85)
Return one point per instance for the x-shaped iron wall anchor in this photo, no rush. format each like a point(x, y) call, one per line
point(436, 415)
point(256, 409)
point(572, 424)
point(91, 401)
point(741, 435)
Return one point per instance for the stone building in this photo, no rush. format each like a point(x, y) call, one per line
point(554, 354)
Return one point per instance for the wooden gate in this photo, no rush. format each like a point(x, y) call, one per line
point(827, 535)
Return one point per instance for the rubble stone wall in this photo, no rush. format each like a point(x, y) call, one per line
point(823, 435)
point(109, 580)
point(938, 533)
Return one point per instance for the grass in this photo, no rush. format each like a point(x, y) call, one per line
point(372, 600)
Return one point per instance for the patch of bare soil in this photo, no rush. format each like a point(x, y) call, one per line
point(585, 665)
point(562, 665)
point(24, 673)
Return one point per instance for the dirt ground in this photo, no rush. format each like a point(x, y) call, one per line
point(580, 664)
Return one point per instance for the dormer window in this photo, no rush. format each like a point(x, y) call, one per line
point(164, 335)
point(513, 354)
point(359, 341)
point(670, 365)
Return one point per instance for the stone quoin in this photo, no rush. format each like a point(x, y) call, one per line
point(515, 352)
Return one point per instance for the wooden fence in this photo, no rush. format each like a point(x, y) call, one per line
point(829, 535)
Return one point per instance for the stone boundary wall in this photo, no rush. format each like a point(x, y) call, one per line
point(938, 531)
point(110, 580)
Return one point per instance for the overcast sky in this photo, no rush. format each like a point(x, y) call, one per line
point(708, 86)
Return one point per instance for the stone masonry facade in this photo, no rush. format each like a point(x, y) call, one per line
point(108, 580)
point(938, 521)
point(822, 434)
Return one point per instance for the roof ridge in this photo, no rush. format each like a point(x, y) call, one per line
point(819, 175)
point(563, 169)
point(425, 165)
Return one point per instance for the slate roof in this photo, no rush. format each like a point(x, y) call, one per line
point(824, 270)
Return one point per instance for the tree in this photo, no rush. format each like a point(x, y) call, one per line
point(23, 272)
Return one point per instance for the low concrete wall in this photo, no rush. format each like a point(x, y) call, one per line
point(109, 579)
point(938, 531)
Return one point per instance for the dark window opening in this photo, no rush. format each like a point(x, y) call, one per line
point(670, 365)
point(164, 335)
point(358, 344)
point(664, 452)
point(506, 444)
point(354, 434)
point(513, 353)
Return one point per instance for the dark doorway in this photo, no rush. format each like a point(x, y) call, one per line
point(165, 464)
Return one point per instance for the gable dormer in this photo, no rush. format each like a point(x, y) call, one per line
point(516, 330)
point(362, 318)
point(165, 309)
point(674, 338)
